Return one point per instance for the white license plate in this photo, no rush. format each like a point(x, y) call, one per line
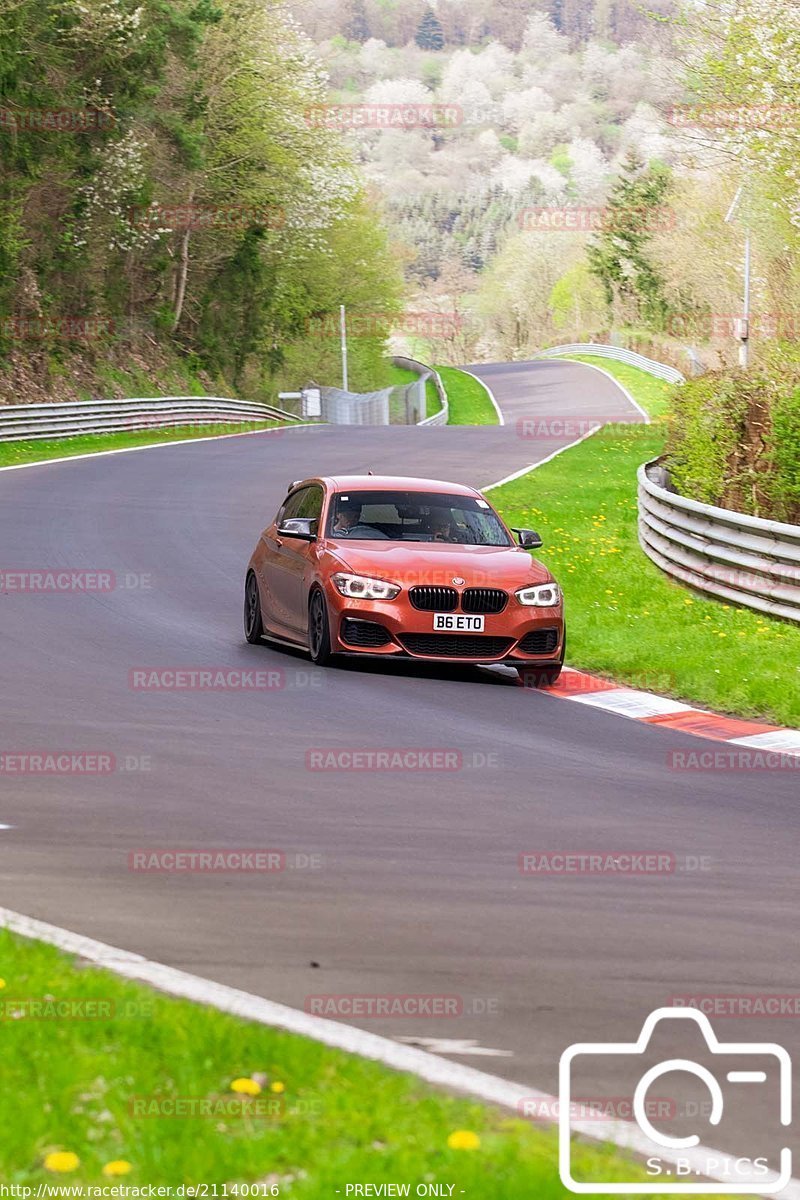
point(457, 623)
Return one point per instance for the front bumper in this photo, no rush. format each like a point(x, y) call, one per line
point(506, 636)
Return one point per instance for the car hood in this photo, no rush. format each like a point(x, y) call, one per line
point(425, 564)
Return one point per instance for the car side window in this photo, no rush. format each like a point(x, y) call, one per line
point(311, 503)
point(291, 505)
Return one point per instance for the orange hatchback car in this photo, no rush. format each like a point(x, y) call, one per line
point(411, 568)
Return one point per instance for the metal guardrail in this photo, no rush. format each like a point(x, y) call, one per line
point(660, 370)
point(731, 556)
point(425, 373)
point(354, 408)
point(31, 422)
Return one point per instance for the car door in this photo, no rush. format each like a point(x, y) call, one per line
point(270, 573)
point(288, 564)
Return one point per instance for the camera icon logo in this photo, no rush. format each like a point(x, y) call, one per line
point(680, 1164)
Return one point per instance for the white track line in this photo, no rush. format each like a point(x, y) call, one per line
point(217, 437)
point(533, 466)
point(500, 418)
point(425, 1066)
point(608, 375)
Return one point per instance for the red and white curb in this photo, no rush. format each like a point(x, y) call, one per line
point(676, 715)
point(454, 1076)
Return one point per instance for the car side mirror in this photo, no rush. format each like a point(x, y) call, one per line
point(299, 527)
point(528, 538)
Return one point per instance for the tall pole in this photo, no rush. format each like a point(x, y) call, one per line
point(343, 331)
point(745, 342)
point(742, 200)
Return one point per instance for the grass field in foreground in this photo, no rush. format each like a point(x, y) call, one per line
point(15, 453)
point(626, 619)
point(75, 1087)
point(468, 400)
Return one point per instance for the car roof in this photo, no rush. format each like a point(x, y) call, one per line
point(405, 483)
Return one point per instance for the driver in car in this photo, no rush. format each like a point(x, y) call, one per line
point(347, 517)
point(440, 525)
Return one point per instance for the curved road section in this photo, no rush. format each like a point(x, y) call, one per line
point(392, 884)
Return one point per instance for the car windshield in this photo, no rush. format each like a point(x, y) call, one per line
point(415, 517)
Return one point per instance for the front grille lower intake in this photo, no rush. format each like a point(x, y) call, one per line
point(367, 634)
point(539, 641)
point(455, 645)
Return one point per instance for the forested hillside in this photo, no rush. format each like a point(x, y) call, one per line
point(433, 23)
point(564, 169)
point(167, 206)
point(189, 190)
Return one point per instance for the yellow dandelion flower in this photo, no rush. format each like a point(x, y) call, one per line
point(61, 1161)
point(246, 1087)
point(2, 983)
point(119, 1166)
point(463, 1139)
point(277, 1086)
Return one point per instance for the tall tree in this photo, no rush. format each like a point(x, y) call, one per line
point(619, 255)
point(356, 27)
point(430, 35)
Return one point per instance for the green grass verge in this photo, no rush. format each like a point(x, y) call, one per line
point(627, 619)
point(397, 376)
point(73, 1086)
point(15, 453)
point(653, 394)
point(468, 400)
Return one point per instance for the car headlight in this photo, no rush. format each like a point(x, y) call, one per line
point(361, 587)
point(543, 595)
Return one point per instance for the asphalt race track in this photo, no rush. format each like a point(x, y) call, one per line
point(418, 892)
